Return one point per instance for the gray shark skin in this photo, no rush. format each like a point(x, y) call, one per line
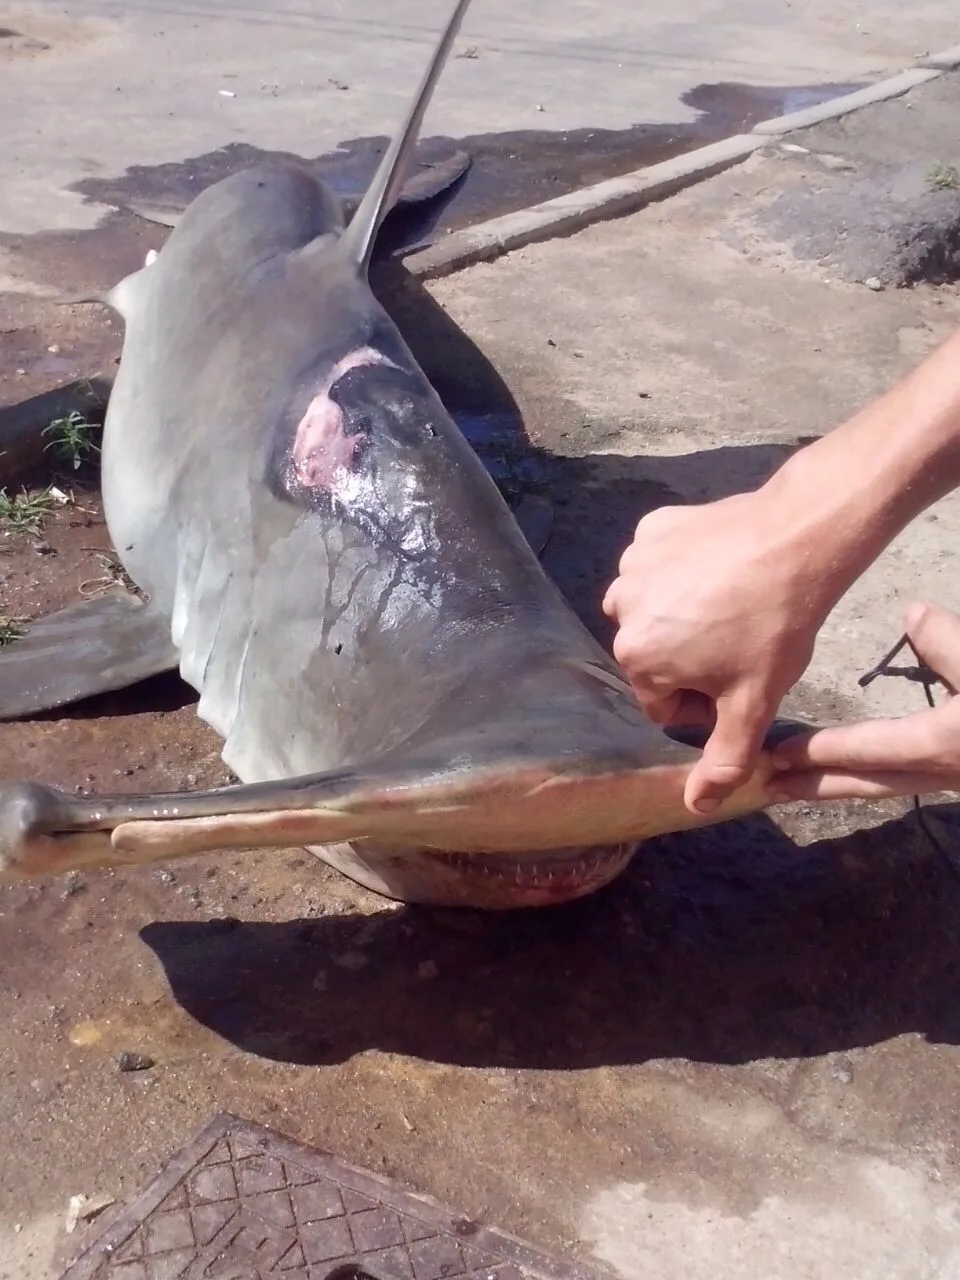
point(398, 684)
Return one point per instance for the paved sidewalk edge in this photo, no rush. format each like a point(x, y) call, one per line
point(578, 209)
point(945, 60)
point(618, 197)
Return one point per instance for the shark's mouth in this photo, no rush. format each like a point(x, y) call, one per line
point(502, 880)
point(485, 881)
point(567, 868)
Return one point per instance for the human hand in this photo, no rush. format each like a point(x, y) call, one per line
point(877, 758)
point(717, 608)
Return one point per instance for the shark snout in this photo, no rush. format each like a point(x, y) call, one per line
point(40, 835)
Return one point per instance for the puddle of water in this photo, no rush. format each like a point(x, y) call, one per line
point(744, 105)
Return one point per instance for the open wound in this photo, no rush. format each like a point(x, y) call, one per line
point(322, 451)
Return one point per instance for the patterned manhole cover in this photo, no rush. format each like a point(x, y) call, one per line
point(243, 1203)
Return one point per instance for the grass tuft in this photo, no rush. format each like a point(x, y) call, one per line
point(24, 512)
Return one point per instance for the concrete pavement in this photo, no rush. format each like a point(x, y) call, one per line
point(92, 88)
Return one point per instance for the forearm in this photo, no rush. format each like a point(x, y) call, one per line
point(841, 500)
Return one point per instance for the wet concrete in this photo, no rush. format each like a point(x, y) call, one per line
point(509, 170)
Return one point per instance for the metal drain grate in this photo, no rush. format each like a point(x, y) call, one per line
point(240, 1202)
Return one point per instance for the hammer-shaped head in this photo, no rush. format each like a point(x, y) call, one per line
point(512, 818)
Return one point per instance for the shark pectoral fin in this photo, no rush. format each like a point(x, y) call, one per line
point(126, 294)
point(148, 840)
point(507, 806)
point(409, 222)
point(511, 811)
point(433, 179)
point(44, 831)
point(90, 647)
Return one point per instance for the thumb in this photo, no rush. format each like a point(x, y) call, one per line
point(684, 707)
point(732, 750)
point(660, 709)
point(936, 636)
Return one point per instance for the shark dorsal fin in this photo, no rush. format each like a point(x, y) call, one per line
point(359, 237)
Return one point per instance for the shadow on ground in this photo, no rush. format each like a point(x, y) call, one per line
point(727, 946)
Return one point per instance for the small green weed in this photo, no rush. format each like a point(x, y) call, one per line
point(71, 439)
point(944, 176)
point(24, 512)
point(86, 388)
point(10, 630)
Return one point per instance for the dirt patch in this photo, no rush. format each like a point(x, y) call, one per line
point(874, 197)
point(895, 228)
point(144, 737)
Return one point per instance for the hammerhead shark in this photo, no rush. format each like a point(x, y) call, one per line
point(398, 684)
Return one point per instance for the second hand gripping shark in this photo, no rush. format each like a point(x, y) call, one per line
point(398, 684)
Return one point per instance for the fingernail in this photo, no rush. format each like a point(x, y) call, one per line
point(707, 805)
point(779, 797)
point(781, 766)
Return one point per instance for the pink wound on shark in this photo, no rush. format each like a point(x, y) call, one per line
point(321, 448)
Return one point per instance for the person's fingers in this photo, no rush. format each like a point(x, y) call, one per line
point(835, 784)
point(644, 669)
point(683, 708)
point(656, 707)
point(935, 633)
point(926, 741)
point(610, 604)
point(693, 709)
point(732, 750)
point(637, 554)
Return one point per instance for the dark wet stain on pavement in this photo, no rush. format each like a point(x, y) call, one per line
point(509, 170)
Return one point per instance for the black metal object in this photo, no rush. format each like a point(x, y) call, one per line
point(925, 675)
